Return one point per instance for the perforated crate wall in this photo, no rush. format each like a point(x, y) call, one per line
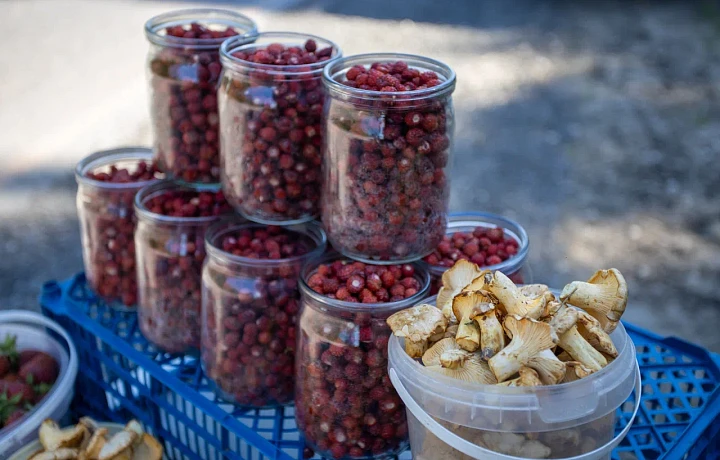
point(122, 376)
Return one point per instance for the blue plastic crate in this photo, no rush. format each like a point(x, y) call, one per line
point(122, 376)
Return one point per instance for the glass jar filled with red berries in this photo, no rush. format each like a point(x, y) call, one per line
point(345, 405)
point(170, 245)
point(491, 241)
point(388, 131)
point(271, 102)
point(183, 73)
point(251, 300)
point(107, 184)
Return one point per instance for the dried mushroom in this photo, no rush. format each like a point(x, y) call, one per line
point(132, 443)
point(52, 437)
point(529, 337)
point(416, 325)
point(604, 296)
point(529, 305)
point(454, 281)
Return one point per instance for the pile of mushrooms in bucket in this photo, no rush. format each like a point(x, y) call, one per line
point(500, 343)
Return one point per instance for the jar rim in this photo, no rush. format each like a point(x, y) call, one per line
point(244, 25)
point(355, 307)
point(235, 44)
point(108, 158)
point(314, 231)
point(152, 190)
point(342, 65)
point(516, 231)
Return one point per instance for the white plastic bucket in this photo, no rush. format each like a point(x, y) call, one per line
point(454, 420)
point(31, 330)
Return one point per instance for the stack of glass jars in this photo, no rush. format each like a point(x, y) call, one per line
point(386, 145)
point(288, 131)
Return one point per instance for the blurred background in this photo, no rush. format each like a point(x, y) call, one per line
point(594, 124)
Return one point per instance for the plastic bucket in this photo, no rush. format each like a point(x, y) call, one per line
point(33, 331)
point(456, 420)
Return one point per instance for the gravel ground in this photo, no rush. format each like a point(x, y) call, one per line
point(596, 126)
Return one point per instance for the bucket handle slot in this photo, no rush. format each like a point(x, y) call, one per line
point(478, 452)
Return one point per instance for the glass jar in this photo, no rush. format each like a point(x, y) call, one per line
point(270, 126)
point(250, 303)
point(345, 405)
point(183, 72)
point(107, 219)
point(387, 158)
point(170, 254)
point(463, 230)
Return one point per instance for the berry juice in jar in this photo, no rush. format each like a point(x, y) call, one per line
point(250, 303)
point(388, 128)
point(271, 102)
point(107, 184)
point(183, 73)
point(345, 405)
point(170, 237)
point(491, 241)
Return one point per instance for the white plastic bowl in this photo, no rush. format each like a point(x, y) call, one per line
point(435, 403)
point(31, 330)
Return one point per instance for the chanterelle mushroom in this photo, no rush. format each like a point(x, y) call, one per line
point(592, 331)
point(604, 296)
point(563, 320)
point(453, 281)
point(464, 366)
point(529, 338)
point(432, 356)
point(465, 306)
point(575, 371)
point(528, 378)
point(447, 358)
point(580, 350)
point(484, 313)
point(416, 325)
point(512, 298)
point(550, 369)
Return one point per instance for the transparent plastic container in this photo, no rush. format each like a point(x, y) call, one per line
point(386, 171)
point(170, 255)
point(250, 306)
point(107, 224)
point(345, 404)
point(183, 74)
point(456, 420)
point(515, 267)
point(270, 130)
